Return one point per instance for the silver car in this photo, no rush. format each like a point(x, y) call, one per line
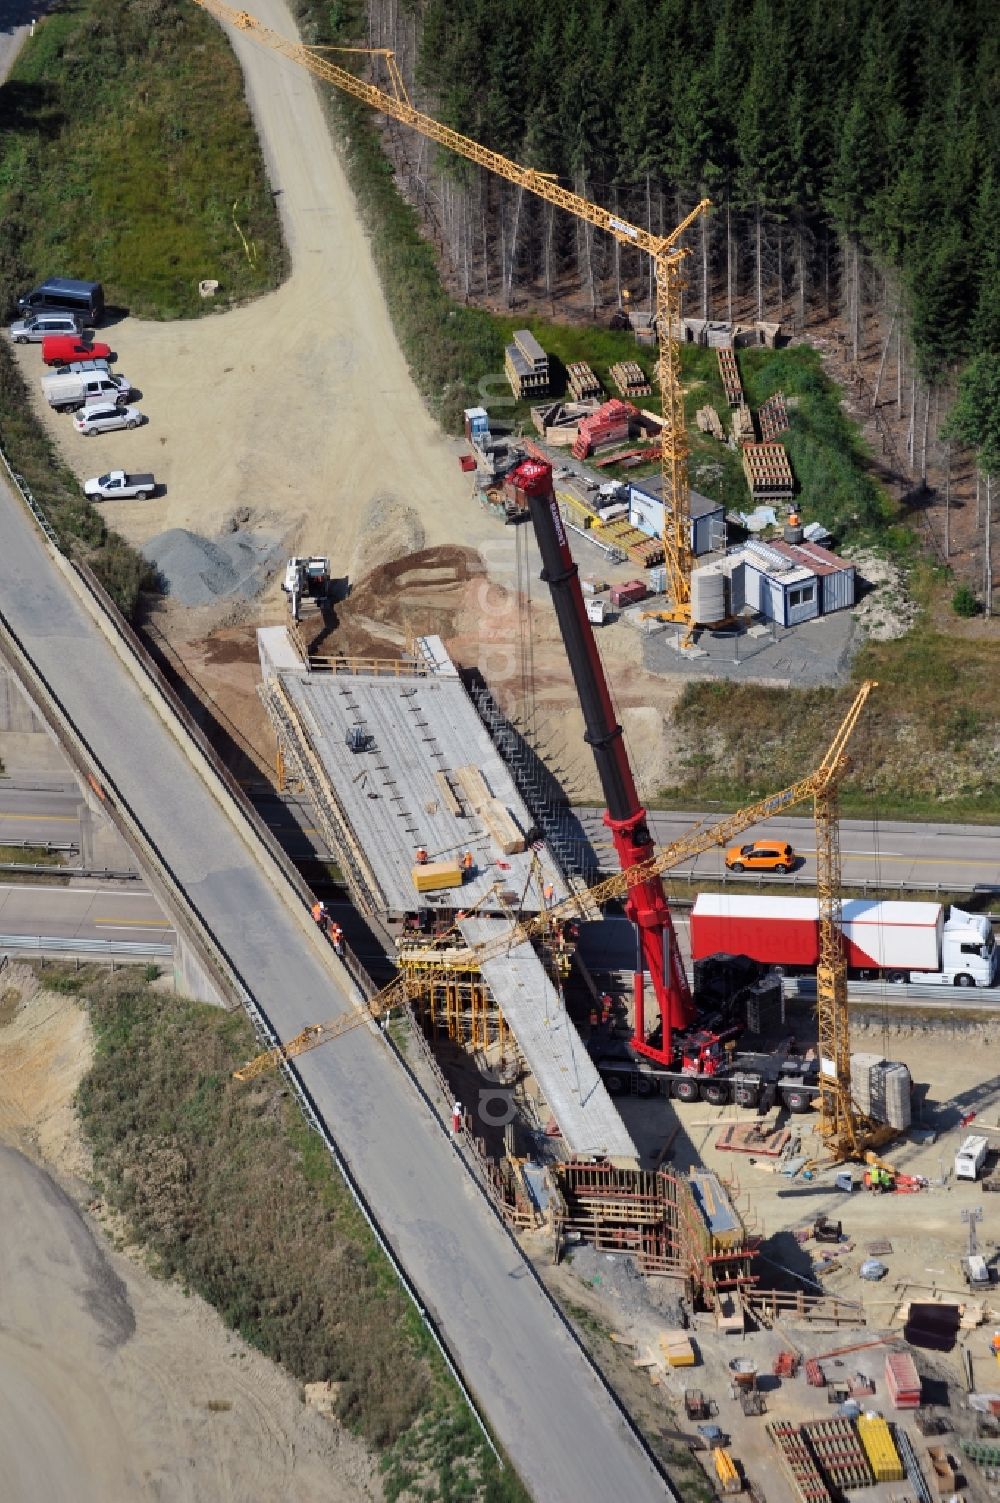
point(81, 367)
point(102, 417)
point(38, 326)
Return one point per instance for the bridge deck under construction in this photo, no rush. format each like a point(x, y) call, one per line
point(402, 761)
point(552, 1048)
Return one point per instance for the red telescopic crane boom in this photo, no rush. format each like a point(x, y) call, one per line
point(646, 902)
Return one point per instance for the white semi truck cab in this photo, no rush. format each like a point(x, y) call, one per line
point(969, 952)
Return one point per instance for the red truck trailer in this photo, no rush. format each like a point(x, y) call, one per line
point(899, 940)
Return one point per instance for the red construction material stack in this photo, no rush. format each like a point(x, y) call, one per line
point(815, 1376)
point(628, 593)
point(902, 1380)
point(608, 425)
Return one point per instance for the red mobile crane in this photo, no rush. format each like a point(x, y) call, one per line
point(646, 902)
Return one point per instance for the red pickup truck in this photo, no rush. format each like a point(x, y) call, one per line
point(60, 349)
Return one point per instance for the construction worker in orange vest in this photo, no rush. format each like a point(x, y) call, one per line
point(549, 894)
point(319, 913)
point(468, 865)
point(421, 855)
point(337, 938)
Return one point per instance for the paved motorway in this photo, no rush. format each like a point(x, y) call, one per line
point(549, 1410)
point(105, 913)
point(886, 853)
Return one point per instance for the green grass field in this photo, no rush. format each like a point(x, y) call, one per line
point(128, 156)
point(227, 1190)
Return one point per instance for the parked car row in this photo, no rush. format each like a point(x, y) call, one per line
point(60, 315)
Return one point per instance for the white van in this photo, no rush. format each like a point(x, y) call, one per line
point(70, 391)
point(971, 1157)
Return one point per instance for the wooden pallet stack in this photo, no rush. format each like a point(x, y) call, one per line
point(772, 416)
point(582, 381)
point(630, 379)
point(839, 1453)
point(730, 373)
point(708, 421)
point(768, 473)
point(526, 365)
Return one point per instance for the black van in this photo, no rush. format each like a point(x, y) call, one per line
point(63, 295)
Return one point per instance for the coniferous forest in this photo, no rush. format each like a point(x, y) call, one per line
point(851, 151)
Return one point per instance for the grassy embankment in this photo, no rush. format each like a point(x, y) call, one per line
point(228, 1191)
point(932, 744)
point(127, 155)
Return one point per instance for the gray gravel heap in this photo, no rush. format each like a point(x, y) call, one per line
point(198, 571)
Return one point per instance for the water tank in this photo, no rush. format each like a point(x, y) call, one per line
point(708, 596)
point(792, 532)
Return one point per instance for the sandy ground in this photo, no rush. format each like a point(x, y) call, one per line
point(114, 1385)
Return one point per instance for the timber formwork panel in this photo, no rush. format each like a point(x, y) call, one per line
point(772, 416)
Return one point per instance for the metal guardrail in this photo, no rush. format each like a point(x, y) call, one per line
point(900, 995)
point(60, 944)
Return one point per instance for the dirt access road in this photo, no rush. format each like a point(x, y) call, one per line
point(113, 1384)
point(297, 408)
point(295, 418)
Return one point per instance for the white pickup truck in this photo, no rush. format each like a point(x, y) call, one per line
point(116, 484)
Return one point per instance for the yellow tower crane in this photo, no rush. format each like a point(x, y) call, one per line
point(668, 257)
point(831, 992)
point(843, 1130)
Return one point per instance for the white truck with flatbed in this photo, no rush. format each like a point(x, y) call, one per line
point(119, 485)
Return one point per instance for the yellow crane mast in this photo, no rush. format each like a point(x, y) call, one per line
point(668, 257)
point(831, 997)
point(840, 1125)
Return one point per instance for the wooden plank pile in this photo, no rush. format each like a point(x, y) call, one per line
point(501, 826)
point(768, 473)
point(635, 544)
point(526, 365)
point(708, 421)
point(743, 428)
point(730, 373)
point(582, 381)
point(630, 379)
point(772, 416)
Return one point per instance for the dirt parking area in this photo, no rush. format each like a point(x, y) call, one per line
point(113, 1384)
point(293, 422)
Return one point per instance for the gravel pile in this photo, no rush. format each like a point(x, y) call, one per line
point(198, 571)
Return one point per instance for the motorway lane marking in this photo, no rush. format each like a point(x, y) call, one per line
point(111, 921)
point(66, 819)
point(157, 923)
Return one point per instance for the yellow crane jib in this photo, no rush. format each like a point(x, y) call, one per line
point(408, 986)
point(668, 257)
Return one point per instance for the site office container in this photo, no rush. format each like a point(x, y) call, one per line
point(629, 593)
point(785, 931)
